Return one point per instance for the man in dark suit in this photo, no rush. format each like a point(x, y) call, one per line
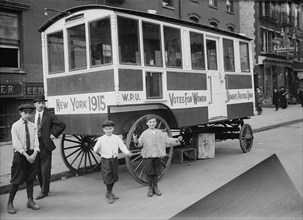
point(48, 128)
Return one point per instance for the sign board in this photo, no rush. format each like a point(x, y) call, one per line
point(11, 90)
point(31, 90)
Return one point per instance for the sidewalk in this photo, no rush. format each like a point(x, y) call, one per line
point(268, 120)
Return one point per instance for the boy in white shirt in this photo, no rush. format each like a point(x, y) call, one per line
point(107, 146)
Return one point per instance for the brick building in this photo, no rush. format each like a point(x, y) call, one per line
point(277, 30)
point(21, 77)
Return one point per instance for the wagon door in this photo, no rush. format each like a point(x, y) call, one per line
point(215, 82)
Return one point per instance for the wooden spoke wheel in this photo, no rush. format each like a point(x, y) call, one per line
point(135, 163)
point(246, 138)
point(78, 154)
point(187, 136)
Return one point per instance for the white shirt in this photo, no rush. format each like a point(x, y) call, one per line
point(19, 136)
point(108, 146)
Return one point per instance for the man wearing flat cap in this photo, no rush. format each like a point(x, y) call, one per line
point(24, 166)
point(48, 128)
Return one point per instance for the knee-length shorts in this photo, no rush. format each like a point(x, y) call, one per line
point(109, 169)
point(152, 166)
point(22, 170)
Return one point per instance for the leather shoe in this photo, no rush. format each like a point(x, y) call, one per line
point(40, 196)
point(111, 198)
point(114, 196)
point(32, 205)
point(10, 208)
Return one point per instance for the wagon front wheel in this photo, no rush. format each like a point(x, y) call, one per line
point(135, 163)
point(246, 138)
point(78, 154)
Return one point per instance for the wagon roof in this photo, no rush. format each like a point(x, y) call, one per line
point(138, 13)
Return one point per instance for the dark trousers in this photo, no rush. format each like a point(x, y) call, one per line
point(152, 166)
point(109, 169)
point(22, 170)
point(44, 168)
point(277, 106)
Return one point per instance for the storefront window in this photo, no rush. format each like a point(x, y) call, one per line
point(197, 51)
point(129, 49)
point(172, 40)
point(10, 40)
point(229, 61)
point(244, 57)
point(55, 52)
point(77, 47)
point(100, 42)
point(152, 44)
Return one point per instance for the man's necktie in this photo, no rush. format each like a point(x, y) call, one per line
point(28, 141)
point(39, 125)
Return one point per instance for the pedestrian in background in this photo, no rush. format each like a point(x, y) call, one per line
point(259, 100)
point(276, 99)
point(283, 98)
point(107, 146)
point(25, 163)
point(48, 128)
point(153, 141)
point(300, 96)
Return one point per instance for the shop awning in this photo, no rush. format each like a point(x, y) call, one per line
point(278, 62)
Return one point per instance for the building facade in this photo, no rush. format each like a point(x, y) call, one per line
point(277, 30)
point(21, 76)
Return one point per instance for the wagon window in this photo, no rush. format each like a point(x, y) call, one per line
point(100, 42)
point(76, 47)
point(152, 44)
point(153, 85)
point(211, 49)
point(244, 57)
point(229, 61)
point(172, 40)
point(197, 51)
point(129, 50)
point(55, 52)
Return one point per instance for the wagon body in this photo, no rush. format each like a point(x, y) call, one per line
point(186, 88)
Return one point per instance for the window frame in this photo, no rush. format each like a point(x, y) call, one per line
point(230, 6)
point(232, 64)
point(48, 52)
point(161, 35)
point(248, 56)
point(138, 42)
point(180, 45)
point(159, 83)
point(69, 48)
point(213, 4)
point(203, 52)
point(14, 44)
point(90, 42)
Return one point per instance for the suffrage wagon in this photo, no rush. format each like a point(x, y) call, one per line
point(101, 63)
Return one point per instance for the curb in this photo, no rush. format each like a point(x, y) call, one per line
point(277, 125)
point(67, 174)
point(54, 177)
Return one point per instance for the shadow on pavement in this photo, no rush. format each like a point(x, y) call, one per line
point(263, 191)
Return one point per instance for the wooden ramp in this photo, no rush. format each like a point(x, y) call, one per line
point(264, 191)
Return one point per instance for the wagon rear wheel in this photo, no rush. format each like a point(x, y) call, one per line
point(135, 163)
point(78, 154)
point(246, 138)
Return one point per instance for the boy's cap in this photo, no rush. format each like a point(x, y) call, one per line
point(25, 107)
point(108, 123)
